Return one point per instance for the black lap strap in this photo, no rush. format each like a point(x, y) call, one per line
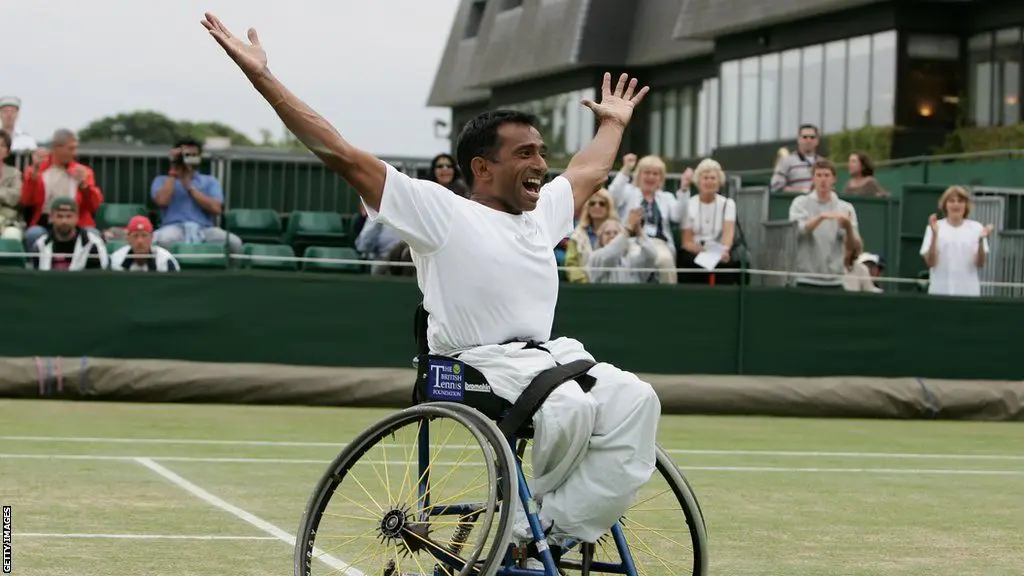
point(540, 388)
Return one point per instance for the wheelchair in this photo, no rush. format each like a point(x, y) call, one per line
point(398, 501)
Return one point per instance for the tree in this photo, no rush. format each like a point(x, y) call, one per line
point(150, 127)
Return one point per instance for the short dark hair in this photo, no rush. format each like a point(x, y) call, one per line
point(6, 138)
point(809, 127)
point(188, 141)
point(824, 164)
point(479, 137)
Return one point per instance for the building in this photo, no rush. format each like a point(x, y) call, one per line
point(736, 78)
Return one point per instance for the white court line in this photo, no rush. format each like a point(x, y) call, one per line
point(17, 535)
point(753, 469)
point(339, 445)
point(263, 525)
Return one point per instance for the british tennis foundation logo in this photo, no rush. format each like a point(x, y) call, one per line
point(446, 381)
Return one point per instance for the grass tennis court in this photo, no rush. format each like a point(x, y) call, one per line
point(183, 490)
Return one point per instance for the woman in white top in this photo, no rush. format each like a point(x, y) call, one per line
point(955, 247)
point(710, 218)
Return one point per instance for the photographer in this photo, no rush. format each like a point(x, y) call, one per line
point(190, 201)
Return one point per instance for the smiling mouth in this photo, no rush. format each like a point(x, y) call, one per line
point(532, 187)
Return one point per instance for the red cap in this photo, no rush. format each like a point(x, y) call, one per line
point(140, 223)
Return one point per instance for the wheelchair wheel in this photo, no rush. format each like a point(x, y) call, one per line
point(664, 529)
point(420, 492)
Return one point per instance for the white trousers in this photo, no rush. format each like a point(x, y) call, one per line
point(592, 451)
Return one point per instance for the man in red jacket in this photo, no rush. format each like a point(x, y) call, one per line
point(59, 176)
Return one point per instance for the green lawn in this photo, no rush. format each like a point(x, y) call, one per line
point(793, 497)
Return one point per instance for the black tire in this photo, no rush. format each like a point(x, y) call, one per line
point(691, 508)
point(500, 463)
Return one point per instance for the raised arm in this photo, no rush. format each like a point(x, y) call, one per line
point(589, 168)
point(363, 171)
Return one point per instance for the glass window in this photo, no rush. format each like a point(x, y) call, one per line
point(749, 99)
point(654, 125)
point(835, 87)
point(858, 80)
point(811, 86)
point(980, 60)
point(883, 78)
point(789, 118)
point(1007, 54)
point(687, 105)
point(670, 120)
point(702, 119)
point(729, 119)
point(769, 123)
point(587, 120)
point(713, 115)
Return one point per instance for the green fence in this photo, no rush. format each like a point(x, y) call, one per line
point(367, 322)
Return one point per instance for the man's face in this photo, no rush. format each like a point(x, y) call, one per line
point(9, 117)
point(140, 241)
point(520, 168)
point(808, 141)
point(65, 153)
point(823, 179)
point(64, 221)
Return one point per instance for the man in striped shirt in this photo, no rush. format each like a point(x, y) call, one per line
point(795, 173)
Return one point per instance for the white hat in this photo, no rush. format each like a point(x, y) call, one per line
point(10, 101)
point(869, 258)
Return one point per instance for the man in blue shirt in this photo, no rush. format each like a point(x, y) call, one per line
point(190, 202)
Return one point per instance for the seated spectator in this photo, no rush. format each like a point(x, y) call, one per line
point(12, 222)
point(955, 248)
point(710, 218)
point(826, 231)
point(401, 253)
point(67, 246)
point(140, 255)
point(445, 172)
point(862, 177)
point(190, 202)
point(857, 277)
point(794, 173)
point(626, 249)
point(660, 208)
point(874, 263)
point(375, 242)
point(583, 239)
point(10, 108)
point(59, 175)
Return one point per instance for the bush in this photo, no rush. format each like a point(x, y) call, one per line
point(875, 141)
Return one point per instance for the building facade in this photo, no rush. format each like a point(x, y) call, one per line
point(734, 79)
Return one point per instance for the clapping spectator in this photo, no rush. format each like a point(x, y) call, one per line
point(660, 208)
point(584, 239)
point(60, 175)
point(955, 248)
point(140, 255)
point(12, 223)
point(67, 246)
point(445, 172)
point(826, 231)
point(862, 177)
point(710, 218)
point(626, 250)
point(190, 201)
point(795, 172)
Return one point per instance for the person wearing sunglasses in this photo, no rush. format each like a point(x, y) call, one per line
point(445, 172)
point(584, 238)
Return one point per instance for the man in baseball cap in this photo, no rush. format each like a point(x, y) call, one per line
point(10, 107)
point(140, 255)
point(66, 246)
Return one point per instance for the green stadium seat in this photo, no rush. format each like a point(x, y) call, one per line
point(8, 246)
point(261, 226)
point(201, 256)
point(334, 253)
point(113, 245)
point(118, 215)
point(275, 250)
point(315, 229)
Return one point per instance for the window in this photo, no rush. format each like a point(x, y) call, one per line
point(687, 114)
point(789, 105)
point(749, 99)
point(883, 78)
point(654, 124)
point(565, 125)
point(835, 87)
point(769, 124)
point(476, 16)
point(931, 82)
point(707, 118)
point(980, 60)
point(858, 80)
point(670, 121)
point(812, 86)
point(729, 118)
point(510, 4)
point(1007, 90)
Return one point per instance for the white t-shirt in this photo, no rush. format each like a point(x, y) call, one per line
point(487, 276)
point(954, 273)
point(707, 220)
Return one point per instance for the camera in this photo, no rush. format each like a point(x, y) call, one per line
point(186, 158)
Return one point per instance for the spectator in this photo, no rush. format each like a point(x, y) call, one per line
point(826, 231)
point(60, 175)
point(660, 208)
point(375, 242)
point(67, 246)
point(583, 239)
point(710, 218)
point(955, 247)
point(625, 248)
point(190, 201)
point(857, 277)
point(795, 172)
point(10, 107)
point(12, 222)
point(874, 263)
point(862, 177)
point(140, 255)
point(445, 172)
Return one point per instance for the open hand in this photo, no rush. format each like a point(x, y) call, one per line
point(933, 221)
point(617, 106)
point(250, 57)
